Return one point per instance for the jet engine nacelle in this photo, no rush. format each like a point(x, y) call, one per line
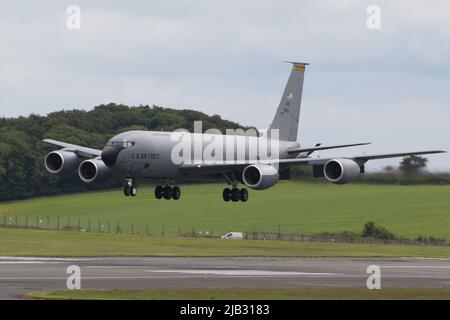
point(61, 161)
point(93, 170)
point(340, 171)
point(260, 176)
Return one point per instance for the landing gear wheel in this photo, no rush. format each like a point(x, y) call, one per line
point(226, 194)
point(159, 192)
point(235, 194)
point(244, 195)
point(133, 191)
point(126, 191)
point(176, 193)
point(168, 193)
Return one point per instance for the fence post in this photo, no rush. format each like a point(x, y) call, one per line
point(109, 226)
point(279, 231)
point(79, 224)
point(118, 228)
point(68, 223)
point(26, 220)
point(99, 223)
point(57, 223)
point(89, 225)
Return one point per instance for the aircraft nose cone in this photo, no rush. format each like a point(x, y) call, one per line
point(109, 155)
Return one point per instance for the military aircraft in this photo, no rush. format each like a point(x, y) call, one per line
point(160, 155)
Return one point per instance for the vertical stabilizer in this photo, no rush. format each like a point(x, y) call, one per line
point(288, 112)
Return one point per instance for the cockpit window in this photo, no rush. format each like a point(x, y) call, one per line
point(121, 144)
point(127, 144)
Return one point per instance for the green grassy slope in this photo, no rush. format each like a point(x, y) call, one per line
point(299, 207)
point(16, 242)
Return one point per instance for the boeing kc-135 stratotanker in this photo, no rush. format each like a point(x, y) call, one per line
point(150, 154)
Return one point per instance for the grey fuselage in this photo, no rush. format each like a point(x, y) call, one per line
point(149, 154)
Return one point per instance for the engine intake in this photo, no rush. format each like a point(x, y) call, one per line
point(93, 170)
point(340, 171)
point(260, 176)
point(61, 162)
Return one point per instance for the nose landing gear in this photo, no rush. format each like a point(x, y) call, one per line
point(130, 188)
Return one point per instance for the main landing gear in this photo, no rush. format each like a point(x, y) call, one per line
point(167, 192)
point(234, 194)
point(130, 188)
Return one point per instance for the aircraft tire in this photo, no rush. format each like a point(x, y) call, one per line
point(235, 195)
point(133, 191)
point(167, 193)
point(226, 194)
point(159, 192)
point(176, 193)
point(126, 191)
point(244, 195)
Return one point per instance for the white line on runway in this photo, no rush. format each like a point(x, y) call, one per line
point(250, 273)
point(105, 278)
point(415, 267)
point(424, 258)
point(30, 262)
point(48, 259)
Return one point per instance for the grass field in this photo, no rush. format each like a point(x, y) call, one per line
point(246, 294)
point(298, 207)
point(79, 244)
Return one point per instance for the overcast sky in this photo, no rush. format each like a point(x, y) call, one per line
point(389, 86)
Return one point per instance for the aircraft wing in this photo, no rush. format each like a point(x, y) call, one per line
point(79, 150)
point(312, 149)
point(360, 159)
point(227, 166)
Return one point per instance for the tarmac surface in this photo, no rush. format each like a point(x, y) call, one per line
point(19, 275)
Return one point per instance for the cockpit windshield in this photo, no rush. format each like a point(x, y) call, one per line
point(121, 144)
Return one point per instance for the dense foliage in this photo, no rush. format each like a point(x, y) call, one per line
point(22, 172)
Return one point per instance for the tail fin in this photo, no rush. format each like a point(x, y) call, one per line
point(288, 112)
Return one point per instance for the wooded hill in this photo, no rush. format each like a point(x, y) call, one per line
point(22, 152)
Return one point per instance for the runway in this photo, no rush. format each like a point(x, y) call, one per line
point(19, 275)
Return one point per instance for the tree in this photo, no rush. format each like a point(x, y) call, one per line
point(389, 169)
point(371, 230)
point(413, 165)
